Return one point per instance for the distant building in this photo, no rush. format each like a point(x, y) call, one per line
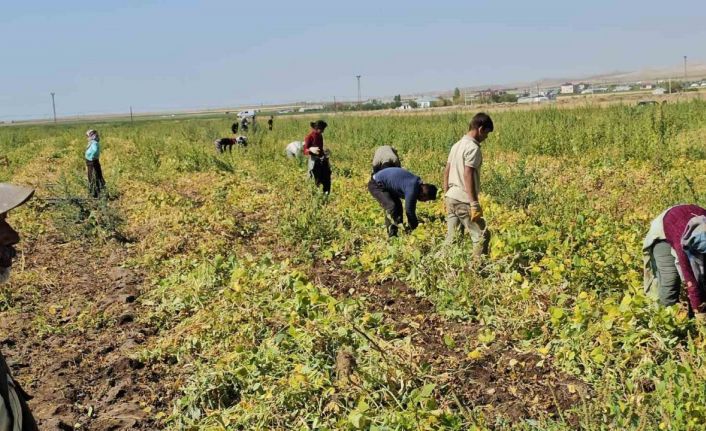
point(311, 108)
point(425, 102)
point(539, 98)
point(658, 91)
point(647, 86)
point(405, 106)
point(587, 91)
point(567, 88)
point(622, 88)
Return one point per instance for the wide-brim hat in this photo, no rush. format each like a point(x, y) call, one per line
point(12, 196)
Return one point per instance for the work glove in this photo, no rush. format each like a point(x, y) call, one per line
point(314, 150)
point(476, 212)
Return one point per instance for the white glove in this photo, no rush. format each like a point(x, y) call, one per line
point(314, 150)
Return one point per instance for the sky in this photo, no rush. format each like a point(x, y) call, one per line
point(105, 56)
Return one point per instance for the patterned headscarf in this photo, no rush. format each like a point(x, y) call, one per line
point(92, 135)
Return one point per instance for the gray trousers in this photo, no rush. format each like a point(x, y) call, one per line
point(458, 217)
point(665, 270)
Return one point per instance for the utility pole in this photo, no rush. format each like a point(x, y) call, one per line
point(131, 114)
point(53, 106)
point(685, 69)
point(358, 76)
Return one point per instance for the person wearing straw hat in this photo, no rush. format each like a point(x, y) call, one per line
point(93, 165)
point(14, 412)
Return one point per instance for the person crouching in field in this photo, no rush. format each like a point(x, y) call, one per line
point(385, 157)
point(388, 186)
point(674, 251)
point(294, 149)
point(14, 412)
point(96, 183)
point(319, 167)
point(462, 185)
point(223, 144)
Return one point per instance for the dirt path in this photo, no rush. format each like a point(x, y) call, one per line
point(70, 336)
point(503, 380)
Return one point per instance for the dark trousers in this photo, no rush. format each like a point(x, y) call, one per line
point(390, 203)
point(95, 177)
point(320, 170)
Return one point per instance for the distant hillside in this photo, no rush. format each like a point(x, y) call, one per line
point(694, 71)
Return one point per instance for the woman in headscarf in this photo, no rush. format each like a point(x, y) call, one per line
point(93, 166)
point(319, 167)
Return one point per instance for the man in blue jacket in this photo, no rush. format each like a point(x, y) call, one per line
point(93, 165)
point(389, 186)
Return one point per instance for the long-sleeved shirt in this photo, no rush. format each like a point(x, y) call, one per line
point(403, 185)
point(93, 150)
point(314, 139)
point(675, 221)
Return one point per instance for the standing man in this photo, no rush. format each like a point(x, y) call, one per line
point(390, 185)
point(234, 127)
point(270, 122)
point(93, 165)
point(462, 185)
point(385, 157)
point(319, 166)
point(244, 124)
point(14, 412)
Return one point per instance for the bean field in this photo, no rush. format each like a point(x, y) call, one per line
point(224, 291)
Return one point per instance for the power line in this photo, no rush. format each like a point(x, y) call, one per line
point(53, 106)
point(685, 68)
point(358, 76)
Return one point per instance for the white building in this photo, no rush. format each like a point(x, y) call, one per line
point(404, 106)
point(425, 102)
point(567, 88)
point(539, 98)
point(659, 90)
point(311, 108)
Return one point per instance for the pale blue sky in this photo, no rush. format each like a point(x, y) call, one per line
point(103, 56)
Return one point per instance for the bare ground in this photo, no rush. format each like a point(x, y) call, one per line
point(505, 382)
point(71, 336)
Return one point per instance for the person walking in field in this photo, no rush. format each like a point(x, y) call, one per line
point(674, 253)
point(319, 166)
point(96, 183)
point(385, 157)
point(388, 186)
point(270, 122)
point(234, 127)
point(462, 185)
point(244, 124)
point(14, 412)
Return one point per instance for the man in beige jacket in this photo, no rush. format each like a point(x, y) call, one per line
point(462, 184)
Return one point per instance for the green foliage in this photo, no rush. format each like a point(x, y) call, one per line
point(242, 254)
